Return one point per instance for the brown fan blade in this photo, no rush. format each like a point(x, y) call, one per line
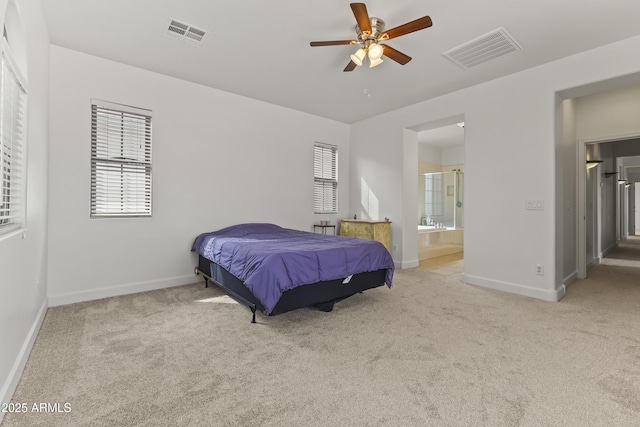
point(409, 27)
point(333, 43)
point(350, 66)
point(362, 17)
point(395, 55)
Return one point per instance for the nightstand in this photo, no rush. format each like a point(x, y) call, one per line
point(324, 228)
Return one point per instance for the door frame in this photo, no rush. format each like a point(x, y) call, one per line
point(581, 187)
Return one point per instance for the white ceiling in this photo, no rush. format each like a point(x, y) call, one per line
point(260, 49)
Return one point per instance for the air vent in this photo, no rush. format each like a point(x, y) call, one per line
point(186, 32)
point(482, 49)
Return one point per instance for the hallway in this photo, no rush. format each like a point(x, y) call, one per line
point(616, 279)
point(627, 254)
point(619, 272)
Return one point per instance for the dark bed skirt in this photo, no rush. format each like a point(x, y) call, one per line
point(321, 294)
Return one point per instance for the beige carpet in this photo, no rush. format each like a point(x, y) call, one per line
point(431, 351)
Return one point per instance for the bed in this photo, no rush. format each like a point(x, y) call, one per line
point(274, 270)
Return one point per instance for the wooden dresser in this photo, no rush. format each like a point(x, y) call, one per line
point(372, 230)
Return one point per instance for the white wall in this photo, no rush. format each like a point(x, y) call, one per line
point(566, 230)
point(210, 150)
point(453, 156)
point(607, 201)
point(632, 210)
point(443, 156)
point(609, 114)
point(23, 257)
point(637, 208)
point(429, 154)
point(510, 157)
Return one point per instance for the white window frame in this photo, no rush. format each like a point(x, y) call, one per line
point(13, 145)
point(121, 167)
point(433, 194)
point(325, 178)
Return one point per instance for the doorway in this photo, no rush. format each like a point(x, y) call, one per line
point(605, 197)
point(440, 198)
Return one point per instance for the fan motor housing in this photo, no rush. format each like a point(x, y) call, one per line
point(377, 26)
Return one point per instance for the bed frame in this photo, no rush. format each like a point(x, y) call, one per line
point(320, 295)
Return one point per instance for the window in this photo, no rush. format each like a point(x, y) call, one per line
point(325, 179)
point(433, 195)
point(12, 144)
point(120, 160)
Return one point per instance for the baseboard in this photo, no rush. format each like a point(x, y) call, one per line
point(408, 264)
point(609, 249)
point(11, 383)
point(570, 279)
point(113, 291)
point(514, 288)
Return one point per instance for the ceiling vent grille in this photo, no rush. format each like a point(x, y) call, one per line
point(186, 32)
point(482, 49)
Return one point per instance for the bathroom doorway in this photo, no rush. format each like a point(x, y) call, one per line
point(440, 199)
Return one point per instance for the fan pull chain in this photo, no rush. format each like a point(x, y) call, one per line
point(367, 93)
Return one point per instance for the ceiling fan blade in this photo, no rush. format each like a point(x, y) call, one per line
point(333, 43)
point(395, 55)
point(409, 27)
point(350, 66)
point(362, 17)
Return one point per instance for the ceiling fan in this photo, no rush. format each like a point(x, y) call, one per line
point(371, 33)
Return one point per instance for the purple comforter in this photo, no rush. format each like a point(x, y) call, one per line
point(270, 259)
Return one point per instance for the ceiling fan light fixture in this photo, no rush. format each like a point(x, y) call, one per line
point(358, 57)
point(375, 51)
point(374, 62)
point(370, 31)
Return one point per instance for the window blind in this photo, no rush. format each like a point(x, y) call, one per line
point(12, 145)
point(120, 160)
point(325, 173)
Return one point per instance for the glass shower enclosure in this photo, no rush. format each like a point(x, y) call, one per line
point(442, 197)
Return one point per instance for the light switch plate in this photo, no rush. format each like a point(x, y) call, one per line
point(534, 205)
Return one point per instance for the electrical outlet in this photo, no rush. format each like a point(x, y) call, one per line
point(540, 270)
point(395, 248)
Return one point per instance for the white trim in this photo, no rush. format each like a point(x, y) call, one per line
point(570, 279)
point(614, 138)
point(121, 162)
point(19, 229)
point(122, 107)
point(14, 66)
point(113, 291)
point(18, 140)
point(320, 181)
point(514, 288)
point(407, 264)
point(606, 251)
point(10, 385)
point(581, 211)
